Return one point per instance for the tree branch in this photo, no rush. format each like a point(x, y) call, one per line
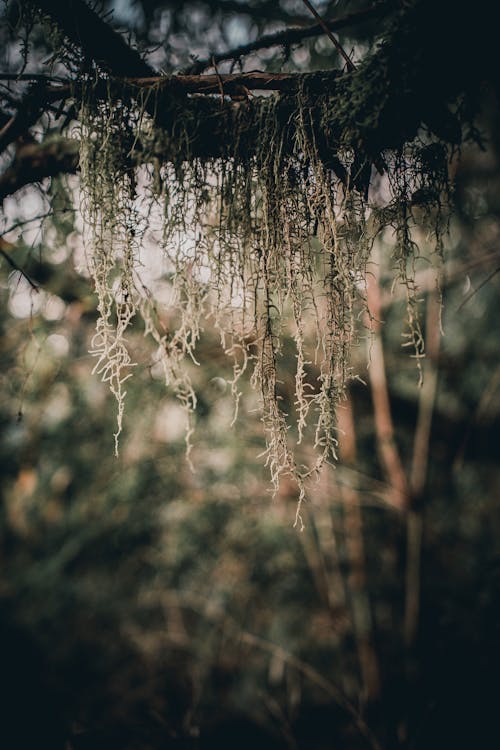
point(97, 40)
point(15, 267)
point(379, 106)
point(231, 83)
point(290, 37)
point(35, 161)
point(30, 108)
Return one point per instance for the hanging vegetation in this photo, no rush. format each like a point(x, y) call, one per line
point(273, 225)
point(263, 211)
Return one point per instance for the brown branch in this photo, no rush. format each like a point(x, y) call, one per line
point(232, 83)
point(384, 427)
point(373, 124)
point(207, 132)
point(292, 36)
point(36, 161)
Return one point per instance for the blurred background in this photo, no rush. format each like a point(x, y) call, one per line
point(144, 604)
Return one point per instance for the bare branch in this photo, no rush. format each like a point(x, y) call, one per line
point(480, 286)
point(290, 37)
point(195, 84)
point(12, 263)
point(327, 31)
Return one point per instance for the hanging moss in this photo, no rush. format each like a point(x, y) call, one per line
point(112, 229)
point(263, 209)
point(267, 226)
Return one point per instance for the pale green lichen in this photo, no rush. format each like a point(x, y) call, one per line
point(270, 232)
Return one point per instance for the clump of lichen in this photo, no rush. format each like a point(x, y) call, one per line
point(268, 231)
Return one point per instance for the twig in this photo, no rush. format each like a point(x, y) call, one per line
point(476, 290)
point(334, 40)
point(215, 614)
point(455, 272)
point(315, 677)
point(29, 110)
point(40, 217)
point(17, 268)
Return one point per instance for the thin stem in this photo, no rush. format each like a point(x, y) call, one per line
point(338, 46)
point(419, 470)
point(384, 427)
point(17, 268)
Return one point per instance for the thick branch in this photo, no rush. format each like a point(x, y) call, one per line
point(98, 41)
point(234, 83)
point(226, 84)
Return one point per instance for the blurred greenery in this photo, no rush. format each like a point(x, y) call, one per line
point(144, 604)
